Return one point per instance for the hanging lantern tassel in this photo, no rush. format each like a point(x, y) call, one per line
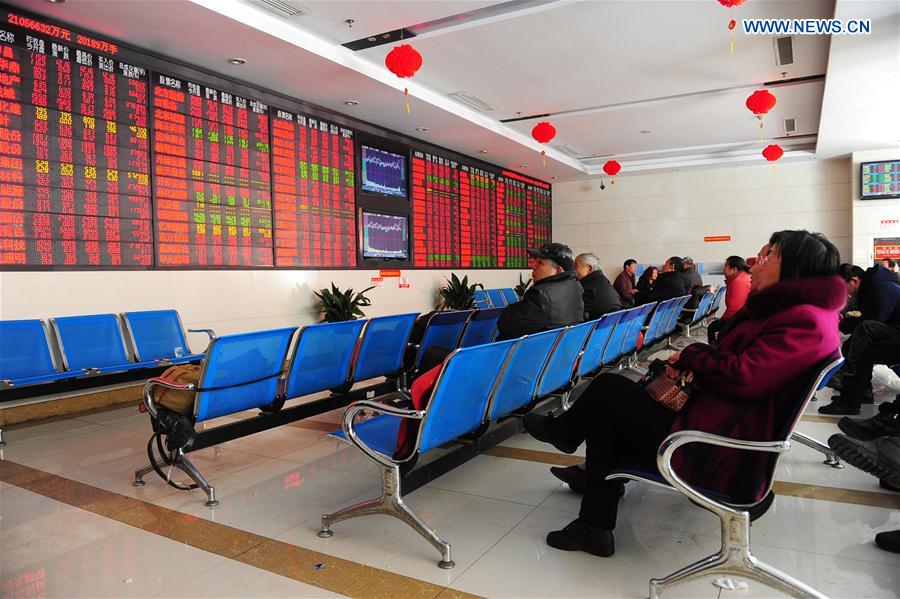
point(731, 25)
point(543, 158)
point(403, 61)
point(406, 99)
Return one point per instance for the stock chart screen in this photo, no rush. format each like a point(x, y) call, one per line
point(211, 176)
point(436, 209)
point(383, 172)
point(74, 155)
point(385, 236)
point(314, 192)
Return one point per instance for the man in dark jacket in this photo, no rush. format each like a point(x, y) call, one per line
point(599, 295)
point(553, 301)
point(875, 294)
point(625, 284)
point(670, 282)
point(692, 278)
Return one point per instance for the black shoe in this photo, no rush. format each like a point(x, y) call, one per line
point(839, 408)
point(880, 425)
point(889, 541)
point(886, 485)
point(574, 476)
point(880, 457)
point(581, 536)
point(545, 428)
point(836, 381)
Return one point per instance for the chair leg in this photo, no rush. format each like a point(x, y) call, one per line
point(831, 458)
point(139, 475)
point(735, 559)
point(391, 504)
point(186, 466)
point(2, 442)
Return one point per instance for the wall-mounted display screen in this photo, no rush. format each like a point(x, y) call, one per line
point(879, 180)
point(384, 236)
point(382, 172)
point(435, 205)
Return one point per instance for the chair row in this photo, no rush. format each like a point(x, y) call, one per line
point(457, 328)
point(495, 298)
point(31, 352)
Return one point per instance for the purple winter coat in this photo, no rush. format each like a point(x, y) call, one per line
point(752, 379)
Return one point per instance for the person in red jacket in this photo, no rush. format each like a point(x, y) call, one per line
point(737, 288)
point(748, 384)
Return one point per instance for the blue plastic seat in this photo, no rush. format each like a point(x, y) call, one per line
point(509, 294)
point(155, 335)
point(613, 350)
point(322, 357)
point(518, 386)
point(596, 344)
point(658, 321)
point(482, 327)
point(717, 301)
point(702, 307)
point(482, 300)
point(444, 329)
point(630, 342)
point(675, 313)
point(25, 355)
point(497, 299)
point(560, 369)
point(94, 343)
point(241, 372)
point(382, 346)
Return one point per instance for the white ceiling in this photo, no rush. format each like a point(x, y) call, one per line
point(612, 68)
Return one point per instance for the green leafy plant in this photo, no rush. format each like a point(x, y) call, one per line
point(338, 306)
point(457, 294)
point(520, 288)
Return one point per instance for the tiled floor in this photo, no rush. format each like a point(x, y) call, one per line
point(495, 511)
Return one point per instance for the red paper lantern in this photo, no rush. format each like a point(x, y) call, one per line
point(543, 132)
point(612, 168)
point(731, 3)
point(773, 152)
point(403, 61)
point(761, 102)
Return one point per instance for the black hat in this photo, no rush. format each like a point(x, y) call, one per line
point(559, 253)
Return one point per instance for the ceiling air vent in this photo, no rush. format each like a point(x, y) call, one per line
point(471, 101)
point(784, 51)
point(281, 8)
point(790, 126)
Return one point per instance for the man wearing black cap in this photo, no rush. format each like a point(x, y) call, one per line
point(553, 301)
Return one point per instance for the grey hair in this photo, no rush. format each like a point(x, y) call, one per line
point(591, 260)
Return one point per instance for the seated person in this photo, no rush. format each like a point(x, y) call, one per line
point(877, 296)
point(553, 301)
point(599, 296)
point(670, 282)
point(625, 285)
point(645, 284)
point(786, 328)
point(891, 265)
point(737, 288)
point(692, 278)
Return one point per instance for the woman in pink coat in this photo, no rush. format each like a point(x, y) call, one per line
point(749, 385)
point(737, 288)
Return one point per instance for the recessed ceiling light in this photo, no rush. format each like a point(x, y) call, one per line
point(646, 130)
point(523, 166)
point(237, 61)
point(482, 151)
point(56, 1)
point(351, 102)
point(422, 129)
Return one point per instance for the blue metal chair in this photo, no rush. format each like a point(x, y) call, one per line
point(482, 327)
point(559, 373)
point(26, 357)
point(509, 294)
point(673, 319)
point(497, 299)
point(322, 357)
point(482, 301)
point(735, 512)
point(697, 314)
point(381, 349)
point(457, 406)
point(658, 321)
point(240, 372)
point(518, 385)
point(636, 325)
point(444, 329)
point(613, 350)
point(714, 305)
point(94, 344)
point(159, 335)
point(591, 359)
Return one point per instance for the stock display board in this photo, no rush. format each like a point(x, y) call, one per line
point(211, 176)
point(74, 159)
point(107, 163)
point(314, 185)
point(435, 206)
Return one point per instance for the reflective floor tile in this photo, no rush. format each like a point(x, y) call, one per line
point(500, 478)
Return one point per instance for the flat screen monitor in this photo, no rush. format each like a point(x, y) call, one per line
point(383, 172)
point(384, 236)
point(879, 180)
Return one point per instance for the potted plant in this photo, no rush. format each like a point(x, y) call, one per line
point(457, 294)
point(338, 306)
point(520, 288)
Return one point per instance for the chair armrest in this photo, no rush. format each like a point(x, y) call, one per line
point(355, 408)
point(210, 332)
point(677, 439)
point(159, 381)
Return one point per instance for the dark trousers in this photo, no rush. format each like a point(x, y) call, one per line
point(871, 343)
point(618, 420)
point(713, 330)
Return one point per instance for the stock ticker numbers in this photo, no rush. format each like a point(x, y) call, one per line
point(477, 223)
point(436, 209)
point(74, 153)
point(211, 176)
point(314, 192)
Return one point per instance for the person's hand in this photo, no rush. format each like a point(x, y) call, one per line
point(674, 357)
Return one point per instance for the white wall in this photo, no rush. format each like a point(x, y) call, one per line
point(227, 301)
point(867, 215)
point(654, 216)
